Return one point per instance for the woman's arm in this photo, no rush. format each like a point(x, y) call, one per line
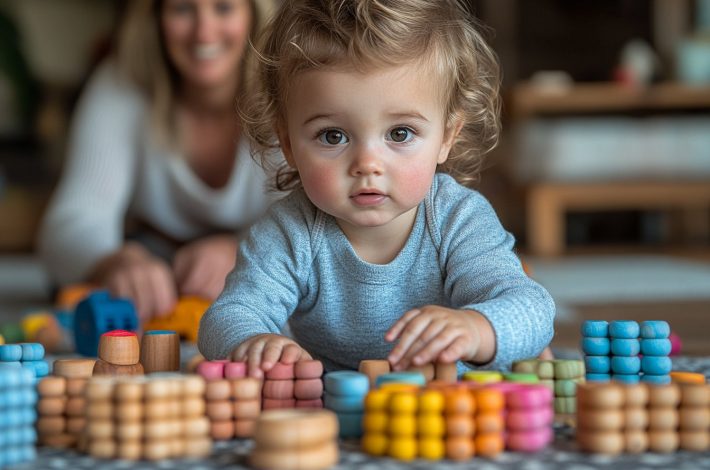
point(84, 221)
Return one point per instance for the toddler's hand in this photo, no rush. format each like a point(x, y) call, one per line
point(262, 352)
point(433, 334)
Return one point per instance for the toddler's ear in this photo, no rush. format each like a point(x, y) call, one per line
point(450, 133)
point(285, 143)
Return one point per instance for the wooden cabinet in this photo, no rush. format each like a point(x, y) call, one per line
point(548, 202)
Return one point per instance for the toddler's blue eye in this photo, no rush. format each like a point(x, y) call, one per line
point(400, 134)
point(333, 137)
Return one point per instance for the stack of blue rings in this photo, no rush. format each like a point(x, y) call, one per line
point(18, 399)
point(655, 349)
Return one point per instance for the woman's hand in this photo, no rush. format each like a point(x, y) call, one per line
point(202, 266)
point(262, 352)
point(439, 334)
point(132, 272)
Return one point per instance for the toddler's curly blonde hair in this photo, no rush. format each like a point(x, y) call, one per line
point(365, 34)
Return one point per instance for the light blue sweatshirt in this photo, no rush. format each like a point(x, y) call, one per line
point(296, 266)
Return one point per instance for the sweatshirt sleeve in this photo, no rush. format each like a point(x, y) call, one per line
point(84, 220)
point(484, 274)
point(266, 285)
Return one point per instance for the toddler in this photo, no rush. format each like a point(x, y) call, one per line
point(377, 252)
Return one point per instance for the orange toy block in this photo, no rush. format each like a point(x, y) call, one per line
point(184, 320)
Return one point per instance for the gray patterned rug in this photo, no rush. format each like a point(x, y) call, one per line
point(561, 455)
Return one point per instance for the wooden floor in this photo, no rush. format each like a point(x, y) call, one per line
point(690, 320)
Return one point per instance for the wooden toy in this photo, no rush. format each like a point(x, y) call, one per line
point(427, 370)
point(694, 417)
point(73, 368)
point(119, 354)
point(160, 351)
point(152, 417)
point(184, 319)
point(655, 347)
point(598, 365)
point(445, 372)
point(625, 347)
point(596, 346)
point(281, 371)
point(98, 314)
point(344, 394)
point(408, 377)
point(687, 377)
point(482, 376)
point(624, 329)
point(373, 368)
point(62, 426)
point(595, 329)
point(17, 415)
point(232, 406)
point(2, 340)
point(295, 439)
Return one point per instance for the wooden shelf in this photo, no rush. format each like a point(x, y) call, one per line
point(548, 202)
point(529, 99)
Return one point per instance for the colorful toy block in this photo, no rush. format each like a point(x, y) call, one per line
point(98, 314)
point(184, 319)
point(17, 414)
point(296, 438)
point(344, 394)
point(616, 357)
point(562, 376)
point(27, 355)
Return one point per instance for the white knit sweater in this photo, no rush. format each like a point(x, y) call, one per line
point(114, 169)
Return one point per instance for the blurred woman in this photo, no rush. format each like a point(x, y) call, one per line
point(159, 180)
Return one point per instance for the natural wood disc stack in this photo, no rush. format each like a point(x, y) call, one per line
point(296, 439)
point(154, 417)
point(61, 406)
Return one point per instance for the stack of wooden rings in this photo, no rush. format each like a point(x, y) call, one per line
point(27, 355)
point(295, 439)
point(119, 354)
point(529, 416)
point(560, 375)
point(233, 399)
point(602, 417)
point(444, 420)
point(344, 394)
point(62, 405)
point(694, 417)
point(154, 417)
point(308, 384)
point(17, 415)
point(633, 418)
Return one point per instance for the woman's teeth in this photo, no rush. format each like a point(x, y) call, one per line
point(208, 51)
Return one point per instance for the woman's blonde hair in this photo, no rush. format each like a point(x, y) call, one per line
point(142, 59)
point(312, 34)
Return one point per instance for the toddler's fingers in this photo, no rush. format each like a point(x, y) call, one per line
point(408, 336)
point(396, 329)
point(292, 353)
point(426, 339)
point(455, 350)
point(254, 355)
point(273, 351)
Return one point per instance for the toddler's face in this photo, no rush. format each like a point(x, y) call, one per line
point(205, 39)
point(366, 145)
